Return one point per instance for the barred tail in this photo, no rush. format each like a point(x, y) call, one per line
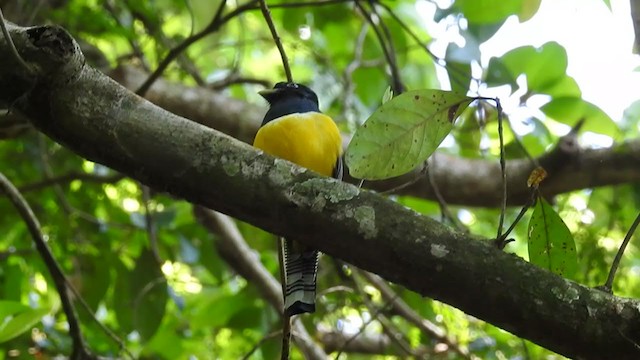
point(301, 269)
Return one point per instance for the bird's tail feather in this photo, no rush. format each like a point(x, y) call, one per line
point(301, 269)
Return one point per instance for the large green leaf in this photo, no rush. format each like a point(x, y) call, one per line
point(569, 110)
point(488, 11)
point(551, 245)
point(16, 319)
point(544, 67)
point(403, 133)
point(493, 11)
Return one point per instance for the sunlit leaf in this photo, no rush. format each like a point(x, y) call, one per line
point(528, 9)
point(16, 319)
point(488, 11)
point(551, 245)
point(545, 68)
point(403, 133)
point(569, 110)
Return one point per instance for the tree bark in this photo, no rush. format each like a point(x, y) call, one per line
point(91, 114)
point(467, 182)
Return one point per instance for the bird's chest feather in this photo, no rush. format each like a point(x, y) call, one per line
point(311, 140)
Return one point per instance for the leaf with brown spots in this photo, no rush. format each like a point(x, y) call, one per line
point(403, 132)
point(551, 245)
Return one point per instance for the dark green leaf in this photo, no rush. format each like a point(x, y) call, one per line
point(150, 288)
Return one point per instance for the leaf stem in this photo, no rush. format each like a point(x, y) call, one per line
point(608, 286)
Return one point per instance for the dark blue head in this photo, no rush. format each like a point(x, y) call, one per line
point(288, 98)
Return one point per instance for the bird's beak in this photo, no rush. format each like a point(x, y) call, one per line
point(266, 92)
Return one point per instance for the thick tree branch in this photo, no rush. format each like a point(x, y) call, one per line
point(471, 182)
point(92, 115)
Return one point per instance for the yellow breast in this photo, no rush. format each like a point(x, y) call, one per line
point(311, 140)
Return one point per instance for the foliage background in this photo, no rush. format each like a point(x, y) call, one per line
point(118, 242)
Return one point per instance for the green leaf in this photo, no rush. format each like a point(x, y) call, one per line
point(403, 133)
point(494, 11)
point(544, 67)
point(95, 279)
point(150, 287)
point(528, 9)
point(459, 76)
point(141, 296)
point(488, 11)
point(16, 319)
point(569, 110)
point(551, 245)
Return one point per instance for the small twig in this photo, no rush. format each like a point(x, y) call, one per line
point(67, 178)
point(79, 348)
point(149, 224)
point(395, 74)
point(423, 171)
point(423, 45)
point(503, 170)
point(444, 207)
point(608, 286)
point(215, 24)
point(402, 309)
point(502, 241)
point(266, 13)
point(398, 86)
point(286, 337)
point(257, 346)
point(103, 327)
point(12, 47)
point(503, 164)
point(374, 316)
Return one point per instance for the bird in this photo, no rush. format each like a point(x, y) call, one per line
point(294, 129)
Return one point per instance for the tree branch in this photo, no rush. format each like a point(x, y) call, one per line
point(92, 115)
point(80, 352)
point(460, 181)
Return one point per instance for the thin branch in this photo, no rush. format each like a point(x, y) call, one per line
point(149, 224)
point(266, 13)
point(503, 169)
point(257, 346)
point(444, 207)
point(79, 348)
point(12, 46)
point(215, 24)
point(423, 45)
point(608, 286)
point(401, 308)
point(502, 241)
point(376, 314)
point(68, 178)
point(395, 74)
point(102, 326)
point(397, 81)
